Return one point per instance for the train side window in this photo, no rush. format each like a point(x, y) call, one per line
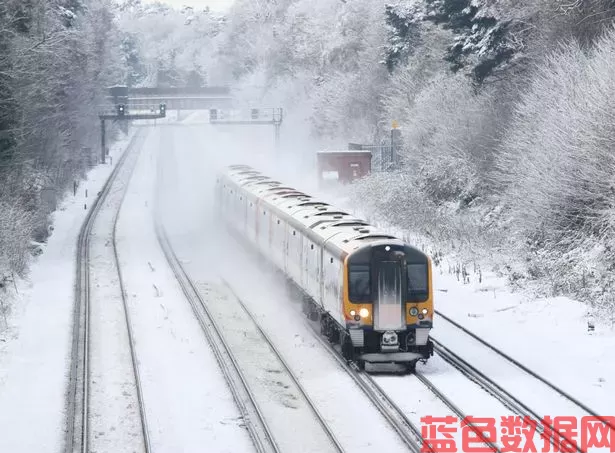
point(359, 283)
point(331, 260)
point(264, 212)
point(417, 282)
point(278, 222)
point(294, 233)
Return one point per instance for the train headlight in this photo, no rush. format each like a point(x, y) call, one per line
point(425, 311)
point(414, 311)
point(364, 312)
point(352, 312)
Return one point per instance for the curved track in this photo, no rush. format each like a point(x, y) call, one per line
point(262, 436)
point(78, 395)
point(290, 373)
point(252, 416)
point(507, 398)
point(133, 355)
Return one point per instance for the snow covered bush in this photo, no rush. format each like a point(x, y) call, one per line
point(16, 228)
point(448, 135)
point(557, 166)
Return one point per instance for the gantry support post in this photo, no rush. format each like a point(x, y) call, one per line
point(103, 151)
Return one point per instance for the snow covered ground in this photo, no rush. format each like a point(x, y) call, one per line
point(35, 349)
point(549, 336)
point(114, 422)
point(187, 403)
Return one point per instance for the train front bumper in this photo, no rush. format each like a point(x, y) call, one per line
point(387, 357)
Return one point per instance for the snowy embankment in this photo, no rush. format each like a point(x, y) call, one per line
point(35, 348)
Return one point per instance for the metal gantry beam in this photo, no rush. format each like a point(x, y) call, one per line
point(186, 98)
point(269, 117)
point(122, 114)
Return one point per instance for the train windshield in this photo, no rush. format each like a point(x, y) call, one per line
point(359, 283)
point(417, 282)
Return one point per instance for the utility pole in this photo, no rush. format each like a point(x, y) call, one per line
point(103, 152)
point(277, 122)
point(395, 142)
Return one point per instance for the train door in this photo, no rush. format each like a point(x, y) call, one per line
point(388, 303)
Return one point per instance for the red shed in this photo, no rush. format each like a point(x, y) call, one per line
point(344, 166)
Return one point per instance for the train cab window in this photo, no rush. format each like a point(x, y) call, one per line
point(359, 283)
point(417, 283)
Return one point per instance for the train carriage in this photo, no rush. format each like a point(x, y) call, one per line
point(371, 291)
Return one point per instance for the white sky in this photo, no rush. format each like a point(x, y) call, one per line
point(214, 5)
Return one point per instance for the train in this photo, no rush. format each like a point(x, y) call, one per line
point(370, 291)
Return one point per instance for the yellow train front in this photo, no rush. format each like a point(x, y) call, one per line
point(387, 296)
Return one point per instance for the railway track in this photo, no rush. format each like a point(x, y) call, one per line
point(455, 409)
point(408, 432)
point(78, 395)
point(506, 397)
point(129, 329)
point(246, 400)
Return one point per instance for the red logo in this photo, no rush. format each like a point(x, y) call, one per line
point(517, 434)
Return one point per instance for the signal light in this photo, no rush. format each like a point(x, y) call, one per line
point(121, 109)
point(163, 109)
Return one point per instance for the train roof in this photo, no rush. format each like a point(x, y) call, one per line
point(324, 223)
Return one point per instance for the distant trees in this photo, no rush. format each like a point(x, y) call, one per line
point(163, 46)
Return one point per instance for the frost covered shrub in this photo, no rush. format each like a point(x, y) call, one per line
point(16, 228)
point(557, 165)
point(448, 133)
point(397, 198)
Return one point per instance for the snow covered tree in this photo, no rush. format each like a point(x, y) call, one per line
point(403, 22)
point(482, 42)
point(57, 58)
